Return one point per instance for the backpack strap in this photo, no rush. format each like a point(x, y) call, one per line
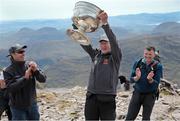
point(154, 66)
point(139, 63)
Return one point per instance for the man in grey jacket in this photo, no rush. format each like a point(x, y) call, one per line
point(102, 87)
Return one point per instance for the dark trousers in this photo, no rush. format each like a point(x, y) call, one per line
point(100, 107)
point(30, 113)
point(4, 107)
point(138, 99)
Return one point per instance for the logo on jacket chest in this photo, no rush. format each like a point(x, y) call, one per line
point(105, 61)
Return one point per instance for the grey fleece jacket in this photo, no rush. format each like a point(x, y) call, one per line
point(105, 67)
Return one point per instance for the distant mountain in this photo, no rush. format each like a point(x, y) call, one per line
point(146, 19)
point(135, 22)
point(65, 62)
point(167, 28)
point(9, 26)
point(4, 60)
point(27, 35)
point(42, 34)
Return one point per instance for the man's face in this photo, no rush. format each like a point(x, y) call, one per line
point(19, 55)
point(105, 47)
point(149, 55)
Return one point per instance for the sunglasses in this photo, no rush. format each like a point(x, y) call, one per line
point(20, 52)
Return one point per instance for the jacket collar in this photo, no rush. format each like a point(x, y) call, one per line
point(18, 63)
point(106, 54)
point(144, 61)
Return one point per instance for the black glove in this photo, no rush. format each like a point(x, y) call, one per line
point(125, 81)
point(122, 79)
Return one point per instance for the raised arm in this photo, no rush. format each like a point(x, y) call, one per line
point(40, 76)
point(92, 52)
point(115, 50)
point(14, 84)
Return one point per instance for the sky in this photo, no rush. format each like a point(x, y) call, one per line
point(55, 9)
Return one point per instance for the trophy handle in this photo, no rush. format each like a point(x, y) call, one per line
point(78, 36)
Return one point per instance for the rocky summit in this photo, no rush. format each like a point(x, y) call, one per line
point(68, 104)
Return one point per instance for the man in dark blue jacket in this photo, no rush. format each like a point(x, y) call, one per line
point(146, 74)
point(20, 78)
point(103, 80)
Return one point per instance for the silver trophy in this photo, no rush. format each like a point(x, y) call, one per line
point(84, 20)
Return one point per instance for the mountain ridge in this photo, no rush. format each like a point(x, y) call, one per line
point(122, 20)
point(66, 64)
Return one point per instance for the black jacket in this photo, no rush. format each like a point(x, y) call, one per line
point(104, 76)
point(22, 92)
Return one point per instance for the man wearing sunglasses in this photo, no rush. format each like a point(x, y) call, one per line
point(20, 78)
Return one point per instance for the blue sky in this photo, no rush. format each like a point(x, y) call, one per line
point(50, 9)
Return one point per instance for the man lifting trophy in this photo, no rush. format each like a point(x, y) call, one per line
point(103, 80)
